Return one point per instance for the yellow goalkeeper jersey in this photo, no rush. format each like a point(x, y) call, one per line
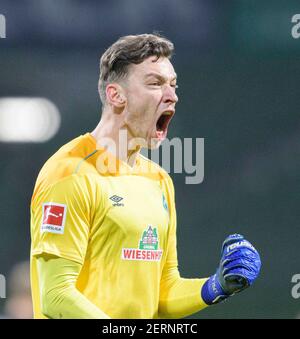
point(120, 224)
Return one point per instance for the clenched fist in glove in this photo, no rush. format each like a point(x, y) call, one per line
point(239, 267)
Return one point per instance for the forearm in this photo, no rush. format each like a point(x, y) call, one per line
point(69, 303)
point(59, 296)
point(181, 298)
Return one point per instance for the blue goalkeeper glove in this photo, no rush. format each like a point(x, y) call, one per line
point(239, 267)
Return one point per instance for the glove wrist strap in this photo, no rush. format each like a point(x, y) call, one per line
point(212, 292)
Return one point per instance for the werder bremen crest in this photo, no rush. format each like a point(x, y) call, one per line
point(148, 247)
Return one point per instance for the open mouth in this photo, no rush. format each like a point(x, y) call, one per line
point(163, 123)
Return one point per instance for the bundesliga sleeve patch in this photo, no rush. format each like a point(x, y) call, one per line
point(53, 218)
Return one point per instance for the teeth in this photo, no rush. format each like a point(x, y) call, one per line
point(167, 113)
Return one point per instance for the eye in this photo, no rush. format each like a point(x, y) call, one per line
point(174, 86)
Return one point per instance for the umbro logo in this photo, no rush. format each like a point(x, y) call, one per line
point(116, 199)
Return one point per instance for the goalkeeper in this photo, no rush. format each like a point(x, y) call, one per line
point(103, 222)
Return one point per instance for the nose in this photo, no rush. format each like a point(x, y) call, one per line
point(170, 95)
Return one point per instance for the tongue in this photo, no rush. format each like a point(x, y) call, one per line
point(160, 134)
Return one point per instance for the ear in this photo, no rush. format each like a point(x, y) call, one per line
point(115, 95)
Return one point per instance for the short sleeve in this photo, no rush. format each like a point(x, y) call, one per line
point(61, 219)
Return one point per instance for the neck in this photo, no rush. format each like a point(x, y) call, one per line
point(113, 134)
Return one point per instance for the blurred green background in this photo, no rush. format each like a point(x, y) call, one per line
point(239, 73)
